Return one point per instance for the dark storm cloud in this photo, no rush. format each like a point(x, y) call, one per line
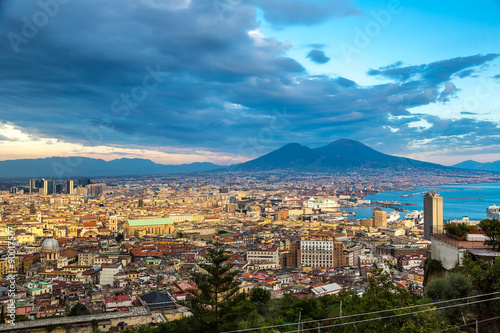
point(299, 12)
point(318, 57)
point(213, 84)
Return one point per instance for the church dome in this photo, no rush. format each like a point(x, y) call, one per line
point(50, 244)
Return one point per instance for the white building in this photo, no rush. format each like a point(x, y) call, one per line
point(328, 289)
point(271, 255)
point(321, 253)
point(108, 272)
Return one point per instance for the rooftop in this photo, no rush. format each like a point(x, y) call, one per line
point(146, 222)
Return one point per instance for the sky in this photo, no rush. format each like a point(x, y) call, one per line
point(226, 81)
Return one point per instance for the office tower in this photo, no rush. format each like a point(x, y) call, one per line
point(48, 186)
point(83, 182)
point(95, 189)
point(34, 185)
point(433, 214)
point(70, 186)
point(379, 218)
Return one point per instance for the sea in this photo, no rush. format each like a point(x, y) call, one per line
point(458, 200)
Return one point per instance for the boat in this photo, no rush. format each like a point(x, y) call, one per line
point(324, 204)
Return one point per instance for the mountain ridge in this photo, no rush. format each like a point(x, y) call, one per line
point(75, 166)
point(479, 166)
point(338, 155)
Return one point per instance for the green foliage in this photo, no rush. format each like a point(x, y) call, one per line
point(78, 310)
point(491, 228)
point(451, 286)
point(217, 291)
point(457, 229)
point(260, 295)
point(432, 268)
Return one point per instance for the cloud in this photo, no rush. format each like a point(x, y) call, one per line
point(223, 89)
point(439, 71)
point(318, 57)
point(449, 90)
point(300, 12)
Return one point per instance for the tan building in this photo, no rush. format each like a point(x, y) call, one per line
point(433, 214)
point(158, 226)
point(379, 218)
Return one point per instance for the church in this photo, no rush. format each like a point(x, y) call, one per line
point(143, 227)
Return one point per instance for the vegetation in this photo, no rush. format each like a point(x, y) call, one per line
point(459, 229)
point(491, 228)
point(432, 268)
point(79, 309)
point(217, 306)
point(217, 292)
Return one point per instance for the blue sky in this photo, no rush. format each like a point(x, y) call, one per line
point(225, 81)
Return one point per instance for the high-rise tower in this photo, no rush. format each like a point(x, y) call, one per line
point(433, 214)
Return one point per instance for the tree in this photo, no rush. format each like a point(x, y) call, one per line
point(451, 286)
point(78, 310)
point(217, 291)
point(260, 295)
point(491, 228)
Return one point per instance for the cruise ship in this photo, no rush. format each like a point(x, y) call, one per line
point(493, 212)
point(326, 205)
point(393, 217)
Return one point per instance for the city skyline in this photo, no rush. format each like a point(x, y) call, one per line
point(227, 81)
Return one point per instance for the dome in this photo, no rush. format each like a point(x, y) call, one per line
point(50, 244)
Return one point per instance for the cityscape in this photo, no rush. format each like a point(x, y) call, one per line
point(265, 166)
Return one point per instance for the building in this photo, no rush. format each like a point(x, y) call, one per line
point(83, 182)
point(48, 186)
point(433, 214)
point(95, 189)
point(108, 272)
point(70, 186)
point(451, 251)
point(50, 251)
point(271, 255)
point(328, 289)
point(379, 218)
point(158, 226)
point(34, 185)
point(322, 253)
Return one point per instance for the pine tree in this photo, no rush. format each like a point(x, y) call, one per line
point(217, 291)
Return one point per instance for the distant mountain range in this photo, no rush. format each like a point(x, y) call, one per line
point(62, 167)
point(339, 155)
point(478, 166)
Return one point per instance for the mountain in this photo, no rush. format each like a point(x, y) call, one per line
point(478, 166)
point(290, 156)
point(61, 167)
point(338, 155)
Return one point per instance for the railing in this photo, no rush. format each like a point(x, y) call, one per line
point(459, 243)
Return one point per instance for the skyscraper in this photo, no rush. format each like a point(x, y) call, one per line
point(48, 186)
point(34, 184)
point(70, 186)
point(433, 214)
point(379, 218)
point(83, 182)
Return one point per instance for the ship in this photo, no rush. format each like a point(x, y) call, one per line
point(326, 205)
point(393, 217)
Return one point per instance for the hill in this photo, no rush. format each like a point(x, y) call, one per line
point(90, 167)
point(478, 166)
